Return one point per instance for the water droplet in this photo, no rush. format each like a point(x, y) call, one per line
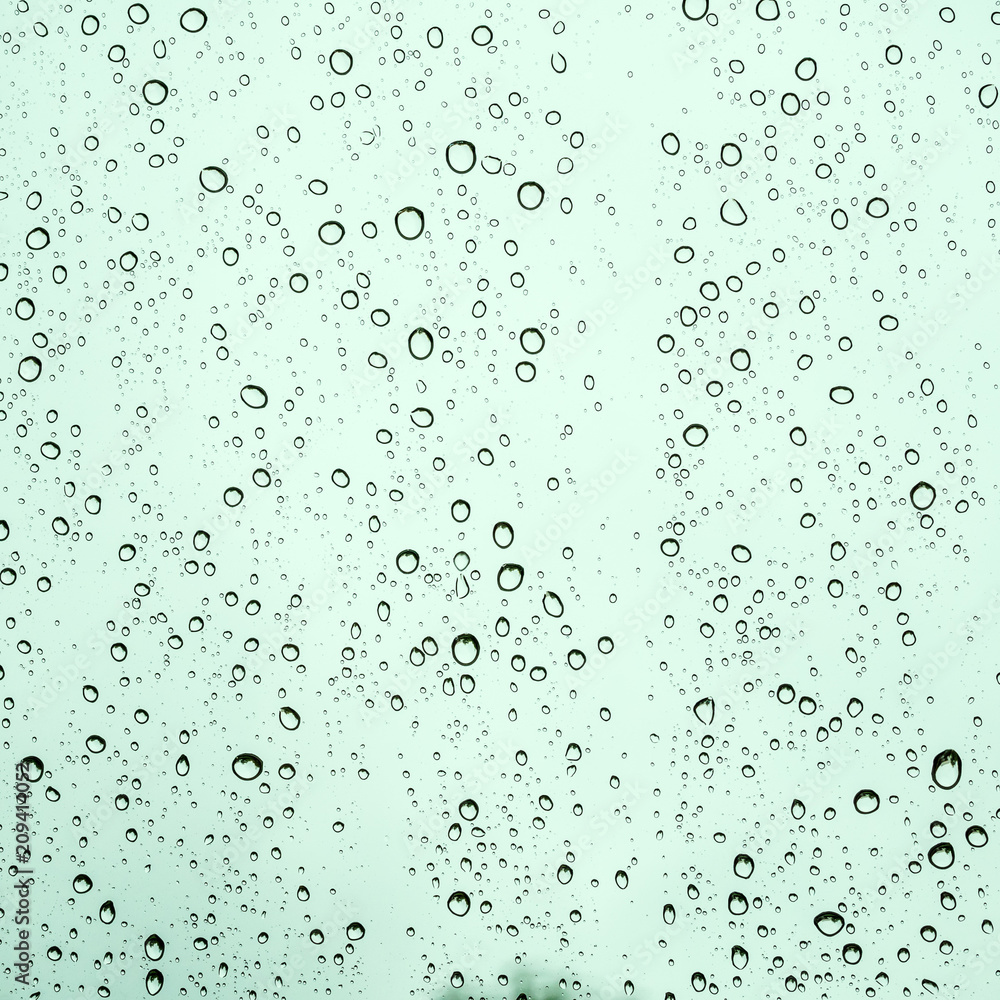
point(254, 396)
point(705, 710)
point(420, 344)
point(946, 769)
point(459, 903)
point(460, 155)
point(29, 368)
point(732, 212)
point(465, 649)
point(410, 223)
point(213, 179)
point(407, 561)
point(247, 766)
point(922, 495)
point(866, 801)
point(941, 855)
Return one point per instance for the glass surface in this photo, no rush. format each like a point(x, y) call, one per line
point(498, 502)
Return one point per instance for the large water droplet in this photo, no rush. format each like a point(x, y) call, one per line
point(254, 396)
point(946, 770)
point(465, 649)
point(247, 766)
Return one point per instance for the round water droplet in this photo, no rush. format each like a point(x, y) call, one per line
point(941, 855)
point(922, 495)
point(194, 19)
point(407, 561)
point(976, 836)
point(247, 766)
point(331, 233)
point(254, 396)
point(233, 497)
point(82, 884)
point(866, 801)
point(621, 879)
point(420, 344)
point(410, 223)
point(341, 61)
point(670, 144)
point(465, 649)
point(503, 534)
point(155, 92)
point(841, 394)
point(29, 368)
point(946, 769)
point(107, 913)
point(741, 553)
point(355, 931)
point(422, 417)
point(564, 874)
point(459, 903)
point(530, 195)
point(743, 866)
point(37, 239)
point(213, 179)
point(988, 95)
point(154, 982)
point(460, 155)
point(695, 435)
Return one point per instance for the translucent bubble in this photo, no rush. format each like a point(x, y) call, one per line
point(732, 213)
point(946, 769)
point(247, 766)
point(866, 801)
point(29, 368)
point(465, 649)
point(460, 156)
point(407, 561)
point(941, 855)
point(213, 179)
point(331, 233)
point(530, 195)
point(695, 435)
point(193, 19)
point(420, 344)
point(670, 144)
point(254, 396)
point(459, 903)
point(341, 61)
point(155, 92)
point(922, 495)
point(409, 222)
